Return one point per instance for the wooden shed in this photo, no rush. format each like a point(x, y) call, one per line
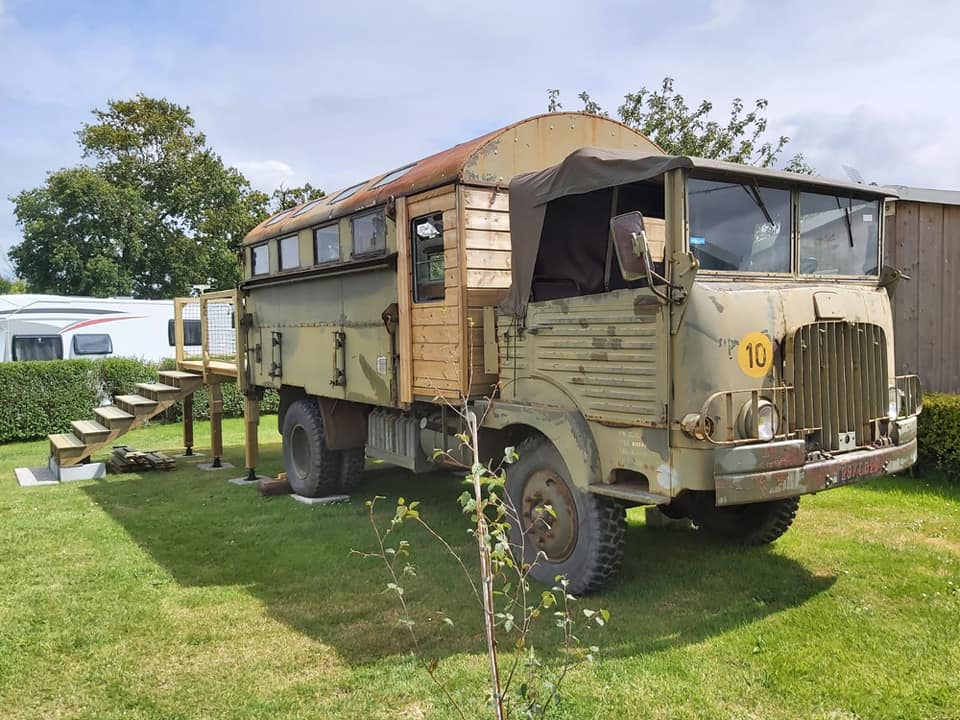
point(923, 240)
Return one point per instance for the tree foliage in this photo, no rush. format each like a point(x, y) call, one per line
point(284, 198)
point(156, 212)
point(664, 116)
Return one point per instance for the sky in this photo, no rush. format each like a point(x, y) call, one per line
point(331, 93)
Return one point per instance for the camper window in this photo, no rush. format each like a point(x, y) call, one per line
point(260, 259)
point(37, 347)
point(192, 334)
point(326, 244)
point(369, 233)
point(92, 344)
point(289, 252)
point(427, 237)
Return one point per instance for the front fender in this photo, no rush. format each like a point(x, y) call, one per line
point(566, 429)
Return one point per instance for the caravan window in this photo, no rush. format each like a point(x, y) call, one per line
point(369, 233)
point(37, 347)
point(289, 252)
point(427, 236)
point(92, 344)
point(191, 333)
point(260, 259)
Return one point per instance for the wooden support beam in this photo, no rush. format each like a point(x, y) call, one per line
point(251, 424)
point(216, 422)
point(188, 425)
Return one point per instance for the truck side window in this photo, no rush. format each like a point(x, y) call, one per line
point(92, 344)
point(289, 252)
point(260, 259)
point(426, 234)
point(326, 244)
point(37, 347)
point(369, 233)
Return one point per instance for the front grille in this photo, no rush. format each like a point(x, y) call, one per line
point(839, 374)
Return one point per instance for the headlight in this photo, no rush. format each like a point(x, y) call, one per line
point(768, 420)
point(893, 403)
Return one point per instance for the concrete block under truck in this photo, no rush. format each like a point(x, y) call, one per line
point(709, 338)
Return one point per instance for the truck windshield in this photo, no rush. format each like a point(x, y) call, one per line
point(739, 226)
point(838, 235)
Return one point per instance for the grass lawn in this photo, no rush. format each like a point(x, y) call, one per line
point(178, 595)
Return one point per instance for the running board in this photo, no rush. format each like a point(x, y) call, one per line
point(631, 492)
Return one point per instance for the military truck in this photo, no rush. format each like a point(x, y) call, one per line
point(705, 337)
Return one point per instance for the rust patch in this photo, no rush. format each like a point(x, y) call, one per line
point(643, 304)
point(608, 343)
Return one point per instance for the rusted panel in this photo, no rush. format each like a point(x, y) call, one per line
point(928, 279)
point(532, 142)
point(738, 489)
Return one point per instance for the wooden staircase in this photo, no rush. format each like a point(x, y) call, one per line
point(126, 413)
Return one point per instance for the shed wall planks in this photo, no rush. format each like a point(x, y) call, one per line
point(923, 240)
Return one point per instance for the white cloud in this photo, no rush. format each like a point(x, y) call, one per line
point(267, 175)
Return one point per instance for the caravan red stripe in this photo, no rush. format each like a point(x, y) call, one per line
point(97, 321)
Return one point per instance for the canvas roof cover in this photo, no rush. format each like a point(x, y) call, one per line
point(590, 169)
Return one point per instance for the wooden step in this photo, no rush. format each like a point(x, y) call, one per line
point(66, 446)
point(114, 417)
point(158, 391)
point(90, 431)
point(135, 404)
point(181, 379)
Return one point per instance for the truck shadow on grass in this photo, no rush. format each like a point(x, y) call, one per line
point(675, 587)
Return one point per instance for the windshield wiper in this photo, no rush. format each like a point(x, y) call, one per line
point(754, 192)
point(846, 217)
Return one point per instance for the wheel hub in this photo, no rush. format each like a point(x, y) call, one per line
point(554, 533)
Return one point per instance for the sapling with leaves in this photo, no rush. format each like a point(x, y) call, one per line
point(521, 685)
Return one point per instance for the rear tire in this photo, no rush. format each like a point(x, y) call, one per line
point(583, 542)
point(753, 524)
point(352, 463)
point(313, 470)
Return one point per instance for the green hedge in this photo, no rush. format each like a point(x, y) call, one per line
point(39, 398)
point(938, 443)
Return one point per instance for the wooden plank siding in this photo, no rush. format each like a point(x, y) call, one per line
point(436, 327)
point(487, 257)
point(923, 240)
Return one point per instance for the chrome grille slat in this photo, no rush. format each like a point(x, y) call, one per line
point(838, 371)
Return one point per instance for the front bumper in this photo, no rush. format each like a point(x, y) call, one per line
point(758, 473)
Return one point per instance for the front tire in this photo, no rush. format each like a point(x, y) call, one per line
point(752, 524)
point(582, 539)
point(313, 470)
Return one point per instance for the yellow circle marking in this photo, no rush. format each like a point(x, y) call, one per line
point(755, 354)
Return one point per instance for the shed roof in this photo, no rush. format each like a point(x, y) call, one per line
point(927, 195)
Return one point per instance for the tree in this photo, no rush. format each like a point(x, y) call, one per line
point(664, 116)
point(284, 198)
point(156, 213)
point(12, 287)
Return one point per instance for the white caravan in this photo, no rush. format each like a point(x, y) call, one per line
point(53, 327)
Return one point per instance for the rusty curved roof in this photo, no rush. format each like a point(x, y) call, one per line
point(456, 163)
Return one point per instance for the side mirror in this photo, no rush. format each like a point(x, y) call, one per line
point(630, 243)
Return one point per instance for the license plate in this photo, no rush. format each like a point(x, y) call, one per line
point(861, 468)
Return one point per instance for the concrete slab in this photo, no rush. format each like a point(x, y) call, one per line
point(33, 477)
point(209, 466)
point(88, 471)
point(328, 500)
point(243, 480)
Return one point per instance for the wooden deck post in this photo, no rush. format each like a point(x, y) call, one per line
point(188, 425)
point(251, 419)
point(216, 422)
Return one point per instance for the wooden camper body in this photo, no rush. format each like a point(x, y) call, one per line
point(350, 327)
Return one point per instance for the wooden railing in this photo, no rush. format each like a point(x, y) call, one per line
point(221, 340)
